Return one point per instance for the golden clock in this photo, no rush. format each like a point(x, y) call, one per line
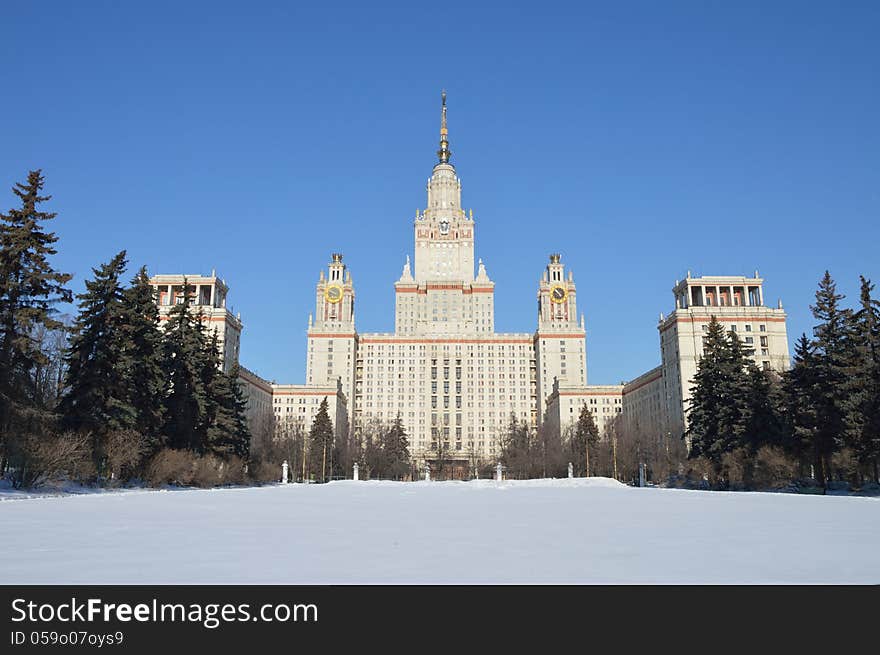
point(558, 293)
point(333, 293)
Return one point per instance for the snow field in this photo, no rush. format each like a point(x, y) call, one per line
point(538, 531)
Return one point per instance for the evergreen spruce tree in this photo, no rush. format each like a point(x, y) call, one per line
point(723, 398)
point(241, 445)
point(832, 361)
point(586, 438)
point(225, 424)
point(397, 449)
point(96, 400)
point(29, 289)
point(141, 356)
point(321, 441)
point(214, 421)
point(705, 432)
point(735, 394)
point(864, 424)
point(183, 353)
point(763, 417)
point(799, 388)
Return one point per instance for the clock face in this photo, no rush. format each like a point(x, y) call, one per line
point(558, 294)
point(444, 227)
point(333, 293)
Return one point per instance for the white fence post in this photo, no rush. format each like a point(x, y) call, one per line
point(427, 472)
point(642, 475)
point(355, 476)
point(498, 472)
point(284, 468)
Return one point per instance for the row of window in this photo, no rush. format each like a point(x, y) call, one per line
point(446, 404)
point(370, 348)
point(299, 401)
point(733, 328)
point(595, 410)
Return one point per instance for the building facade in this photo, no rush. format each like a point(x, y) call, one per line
point(454, 381)
point(296, 405)
point(657, 401)
point(258, 396)
point(564, 405)
point(208, 298)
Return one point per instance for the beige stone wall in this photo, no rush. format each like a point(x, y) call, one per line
point(258, 394)
point(459, 391)
point(565, 403)
point(644, 406)
point(299, 403)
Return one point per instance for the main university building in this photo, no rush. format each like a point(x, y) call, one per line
point(453, 380)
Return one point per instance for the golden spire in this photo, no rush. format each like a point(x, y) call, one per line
point(444, 153)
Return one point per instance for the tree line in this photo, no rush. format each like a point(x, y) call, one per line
point(526, 452)
point(820, 420)
point(320, 453)
point(111, 396)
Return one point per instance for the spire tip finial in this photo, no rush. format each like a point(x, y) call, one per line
point(444, 153)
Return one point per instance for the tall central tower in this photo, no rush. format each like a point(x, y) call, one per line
point(442, 295)
point(444, 234)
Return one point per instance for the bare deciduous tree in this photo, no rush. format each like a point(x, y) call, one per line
point(124, 451)
point(50, 456)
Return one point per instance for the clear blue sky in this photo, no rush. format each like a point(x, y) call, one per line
point(639, 139)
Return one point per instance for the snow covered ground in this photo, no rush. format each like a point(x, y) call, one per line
point(553, 531)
